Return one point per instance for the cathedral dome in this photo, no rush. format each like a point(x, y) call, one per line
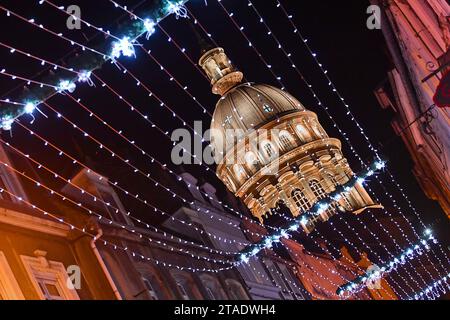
point(250, 106)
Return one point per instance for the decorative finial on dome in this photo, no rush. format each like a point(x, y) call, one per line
point(220, 71)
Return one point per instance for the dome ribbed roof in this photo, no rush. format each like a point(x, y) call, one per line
point(250, 106)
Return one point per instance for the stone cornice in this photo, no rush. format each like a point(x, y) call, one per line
point(29, 222)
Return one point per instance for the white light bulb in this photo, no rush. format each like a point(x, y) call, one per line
point(66, 85)
point(84, 76)
point(7, 123)
point(122, 47)
point(380, 165)
point(149, 26)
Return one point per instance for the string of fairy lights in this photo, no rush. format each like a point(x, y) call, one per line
point(316, 210)
point(111, 244)
point(114, 184)
point(270, 33)
point(133, 108)
point(304, 40)
point(288, 55)
point(373, 275)
point(125, 47)
point(108, 205)
point(68, 87)
point(64, 85)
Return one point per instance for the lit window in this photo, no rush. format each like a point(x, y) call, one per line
point(346, 199)
point(345, 195)
point(333, 180)
point(317, 189)
point(285, 139)
point(319, 193)
point(300, 200)
point(49, 278)
point(268, 149)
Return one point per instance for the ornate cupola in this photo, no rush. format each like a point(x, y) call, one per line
point(271, 151)
point(220, 70)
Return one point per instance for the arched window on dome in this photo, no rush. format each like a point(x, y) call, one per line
point(302, 133)
point(285, 140)
point(333, 180)
point(269, 149)
point(300, 200)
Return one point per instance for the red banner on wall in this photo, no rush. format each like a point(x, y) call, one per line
point(442, 96)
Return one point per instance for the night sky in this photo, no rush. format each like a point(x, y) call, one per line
point(355, 57)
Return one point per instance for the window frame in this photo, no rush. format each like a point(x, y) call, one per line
point(40, 268)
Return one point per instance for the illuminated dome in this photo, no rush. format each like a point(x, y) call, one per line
point(273, 153)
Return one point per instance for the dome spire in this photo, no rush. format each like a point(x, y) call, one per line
point(220, 71)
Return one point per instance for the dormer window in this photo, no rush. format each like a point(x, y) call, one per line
point(267, 108)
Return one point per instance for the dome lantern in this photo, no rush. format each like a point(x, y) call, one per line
point(220, 71)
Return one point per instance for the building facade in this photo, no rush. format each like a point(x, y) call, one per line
point(121, 257)
point(417, 35)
